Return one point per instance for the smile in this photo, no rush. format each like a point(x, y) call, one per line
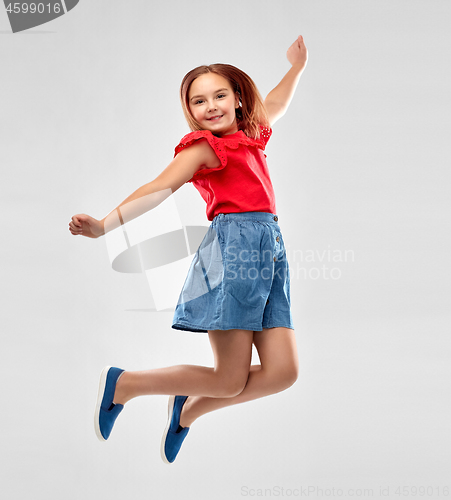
point(215, 118)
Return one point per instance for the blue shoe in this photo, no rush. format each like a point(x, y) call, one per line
point(173, 437)
point(106, 411)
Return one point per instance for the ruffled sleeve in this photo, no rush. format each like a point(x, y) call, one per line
point(265, 134)
point(214, 142)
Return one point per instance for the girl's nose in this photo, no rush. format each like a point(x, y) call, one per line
point(211, 106)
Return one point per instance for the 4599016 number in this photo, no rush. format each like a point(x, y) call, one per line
point(422, 491)
point(33, 8)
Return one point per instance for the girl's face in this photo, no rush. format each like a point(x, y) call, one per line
point(212, 103)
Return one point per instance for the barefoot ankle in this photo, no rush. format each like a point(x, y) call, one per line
point(119, 393)
point(186, 419)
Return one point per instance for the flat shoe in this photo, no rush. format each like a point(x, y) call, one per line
point(173, 437)
point(106, 411)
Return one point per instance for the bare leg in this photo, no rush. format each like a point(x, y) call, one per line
point(232, 350)
point(278, 370)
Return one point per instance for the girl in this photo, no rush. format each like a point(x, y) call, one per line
point(238, 285)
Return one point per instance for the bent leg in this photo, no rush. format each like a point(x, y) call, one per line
point(278, 370)
point(232, 352)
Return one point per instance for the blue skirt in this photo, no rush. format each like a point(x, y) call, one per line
point(239, 277)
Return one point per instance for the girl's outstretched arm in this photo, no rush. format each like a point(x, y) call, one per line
point(148, 196)
point(278, 100)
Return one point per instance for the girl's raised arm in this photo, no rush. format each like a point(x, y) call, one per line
point(148, 196)
point(278, 100)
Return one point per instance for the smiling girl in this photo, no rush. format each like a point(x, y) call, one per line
point(238, 285)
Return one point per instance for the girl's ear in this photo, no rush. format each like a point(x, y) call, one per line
point(237, 100)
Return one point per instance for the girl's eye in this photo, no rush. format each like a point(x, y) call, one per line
point(221, 95)
point(198, 102)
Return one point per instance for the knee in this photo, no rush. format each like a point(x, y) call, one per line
point(292, 375)
point(230, 386)
point(289, 375)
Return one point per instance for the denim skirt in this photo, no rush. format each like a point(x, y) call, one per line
point(239, 277)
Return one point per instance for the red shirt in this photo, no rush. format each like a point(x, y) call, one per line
point(241, 183)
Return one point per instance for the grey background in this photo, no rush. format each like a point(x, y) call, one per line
point(90, 111)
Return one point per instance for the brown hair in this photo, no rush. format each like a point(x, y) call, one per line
point(251, 113)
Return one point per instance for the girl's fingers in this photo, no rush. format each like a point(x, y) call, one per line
point(297, 44)
point(79, 222)
point(75, 226)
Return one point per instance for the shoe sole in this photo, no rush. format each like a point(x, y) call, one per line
point(165, 433)
point(100, 395)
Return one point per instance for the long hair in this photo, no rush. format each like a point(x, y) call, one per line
point(251, 113)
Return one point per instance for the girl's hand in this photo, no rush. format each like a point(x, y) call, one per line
point(86, 226)
point(297, 53)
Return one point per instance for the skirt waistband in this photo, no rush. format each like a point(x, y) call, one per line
point(259, 216)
